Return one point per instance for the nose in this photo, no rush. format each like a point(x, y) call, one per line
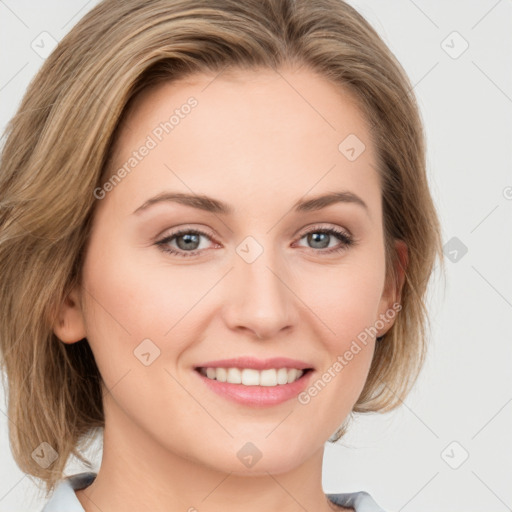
point(260, 298)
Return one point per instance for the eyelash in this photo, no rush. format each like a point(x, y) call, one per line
point(347, 241)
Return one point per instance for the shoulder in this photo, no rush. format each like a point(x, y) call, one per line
point(64, 498)
point(360, 501)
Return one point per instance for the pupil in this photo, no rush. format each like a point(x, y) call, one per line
point(317, 237)
point(188, 238)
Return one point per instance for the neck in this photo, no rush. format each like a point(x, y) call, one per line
point(137, 473)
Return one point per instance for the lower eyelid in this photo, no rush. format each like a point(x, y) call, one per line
point(345, 241)
point(338, 234)
point(163, 242)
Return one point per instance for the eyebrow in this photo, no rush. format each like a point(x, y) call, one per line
point(209, 204)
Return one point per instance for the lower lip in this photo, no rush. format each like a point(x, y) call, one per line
point(258, 396)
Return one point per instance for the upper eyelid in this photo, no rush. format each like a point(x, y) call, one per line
point(320, 227)
point(204, 232)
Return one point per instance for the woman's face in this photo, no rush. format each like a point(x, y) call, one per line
point(250, 274)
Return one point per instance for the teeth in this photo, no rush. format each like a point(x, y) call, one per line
point(252, 377)
point(282, 376)
point(234, 376)
point(220, 374)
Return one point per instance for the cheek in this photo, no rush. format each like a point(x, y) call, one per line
point(129, 300)
point(347, 299)
point(349, 311)
point(347, 303)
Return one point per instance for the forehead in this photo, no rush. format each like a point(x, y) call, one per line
point(260, 130)
point(300, 101)
point(308, 93)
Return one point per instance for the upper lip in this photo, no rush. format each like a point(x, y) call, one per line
point(257, 364)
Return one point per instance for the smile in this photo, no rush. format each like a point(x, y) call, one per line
point(252, 377)
point(255, 388)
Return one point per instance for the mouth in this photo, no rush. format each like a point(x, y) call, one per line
point(255, 388)
point(270, 377)
point(255, 382)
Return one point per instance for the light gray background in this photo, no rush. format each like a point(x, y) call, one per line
point(405, 459)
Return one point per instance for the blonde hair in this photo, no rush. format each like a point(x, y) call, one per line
point(57, 151)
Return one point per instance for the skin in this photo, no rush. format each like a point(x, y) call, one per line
point(258, 144)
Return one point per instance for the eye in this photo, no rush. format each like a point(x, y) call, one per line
point(187, 242)
point(320, 238)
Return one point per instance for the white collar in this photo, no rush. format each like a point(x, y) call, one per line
point(64, 498)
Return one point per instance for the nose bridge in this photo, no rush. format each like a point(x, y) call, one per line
point(261, 301)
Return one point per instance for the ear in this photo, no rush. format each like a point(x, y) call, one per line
point(69, 326)
point(393, 289)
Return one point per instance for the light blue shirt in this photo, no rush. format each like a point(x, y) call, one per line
point(64, 498)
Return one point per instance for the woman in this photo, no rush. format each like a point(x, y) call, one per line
point(217, 236)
